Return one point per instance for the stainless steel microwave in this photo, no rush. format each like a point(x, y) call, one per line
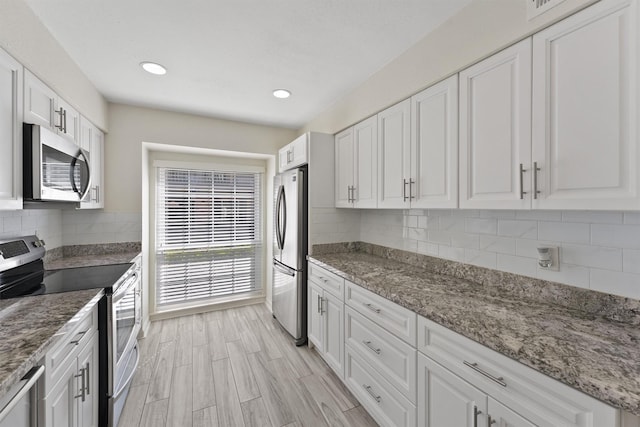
point(55, 169)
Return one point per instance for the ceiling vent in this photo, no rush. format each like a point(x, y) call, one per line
point(538, 7)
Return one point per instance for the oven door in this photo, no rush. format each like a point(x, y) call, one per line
point(126, 312)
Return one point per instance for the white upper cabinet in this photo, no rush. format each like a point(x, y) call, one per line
point(42, 106)
point(294, 154)
point(495, 130)
point(10, 132)
point(394, 156)
point(586, 79)
point(356, 165)
point(434, 146)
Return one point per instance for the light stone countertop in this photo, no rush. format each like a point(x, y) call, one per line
point(90, 260)
point(585, 350)
point(29, 326)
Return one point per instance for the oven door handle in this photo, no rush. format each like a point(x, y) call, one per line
point(133, 371)
point(125, 287)
point(30, 379)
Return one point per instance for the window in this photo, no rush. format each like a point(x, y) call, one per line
point(208, 234)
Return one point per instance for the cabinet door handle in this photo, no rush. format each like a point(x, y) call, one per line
point(476, 412)
point(474, 366)
point(368, 388)
point(491, 421)
point(88, 377)
point(61, 113)
point(522, 171)
point(64, 117)
point(370, 347)
point(319, 304)
point(404, 190)
point(411, 196)
point(536, 169)
point(371, 307)
point(97, 194)
point(81, 395)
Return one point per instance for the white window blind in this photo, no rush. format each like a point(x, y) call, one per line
point(208, 234)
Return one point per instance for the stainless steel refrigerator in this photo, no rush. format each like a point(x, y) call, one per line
point(289, 296)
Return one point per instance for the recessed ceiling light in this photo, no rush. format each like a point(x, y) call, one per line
point(281, 93)
point(153, 68)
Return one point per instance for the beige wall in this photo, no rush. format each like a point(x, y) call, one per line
point(28, 40)
point(130, 126)
point(478, 30)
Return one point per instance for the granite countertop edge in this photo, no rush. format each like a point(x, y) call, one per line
point(611, 395)
point(90, 298)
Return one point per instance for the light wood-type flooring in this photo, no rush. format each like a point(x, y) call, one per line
point(234, 368)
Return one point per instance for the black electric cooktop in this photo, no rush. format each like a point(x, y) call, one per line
point(33, 279)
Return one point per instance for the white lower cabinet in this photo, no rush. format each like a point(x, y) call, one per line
point(325, 320)
point(70, 383)
point(385, 404)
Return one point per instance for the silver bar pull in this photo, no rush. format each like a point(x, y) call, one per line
point(64, 117)
point(404, 190)
point(82, 395)
point(522, 171)
point(319, 304)
point(372, 348)
point(474, 366)
point(88, 377)
point(349, 194)
point(491, 421)
point(77, 341)
point(322, 300)
point(536, 169)
point(97, 194)
point(368, 388)
point(371, 307)
point(61, 113)
point(476, 412)
point(411, 196)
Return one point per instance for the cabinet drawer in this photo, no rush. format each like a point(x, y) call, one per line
point(387, 406)
point(540, 399)
point(327, 280)
point(69, 345)
point(392, 358)
point(395, 319)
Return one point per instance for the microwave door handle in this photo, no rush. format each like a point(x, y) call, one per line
point(83, 191)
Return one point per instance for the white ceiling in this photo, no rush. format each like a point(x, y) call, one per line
point(224, 58)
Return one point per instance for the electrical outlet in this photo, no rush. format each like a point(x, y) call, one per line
point(549, 258)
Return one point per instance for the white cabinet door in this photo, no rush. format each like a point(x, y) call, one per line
point(283, 158)
point(299, 148)
point(39, 102)
point(365, 140)
point(333, 313)
point(70, 121)
point(586, 76)
point(344, 168)
point(394, 156)
point(10, 132)
point(88, 361)
point(314, 317)
point(495, 130)
point(446, 400)
point(91, 139)
point(434, 146)
point(501, 416)
point(60, 406)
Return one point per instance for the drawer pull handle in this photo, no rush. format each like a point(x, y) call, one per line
point(474, 366)
point(368, 388)
point(323, 279)
point(368, 344)
point(371, 307)
point(77, 341)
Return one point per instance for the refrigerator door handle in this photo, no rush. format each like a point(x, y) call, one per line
point(283, 269)
point(283, 211)
point(278, 216)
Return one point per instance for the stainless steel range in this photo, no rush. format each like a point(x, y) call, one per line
point(22, 273)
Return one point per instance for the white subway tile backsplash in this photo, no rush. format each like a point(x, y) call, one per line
point(451, 223)
point(503, 245)
point(424, 222)
point(570, 232)
point(574, 275)
point(480, 258)
point(538, 215)
point(517, 265)
point(440, 237)
point(428, 248)
point(631, 261)
point(592, 256)
point(465, 240)
point(518, 228)
point(615, 282)
point(481, 225)
point(592, 217)
point(619, 236)
point(11, 223)
point(632, 218)
point(448, 252)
